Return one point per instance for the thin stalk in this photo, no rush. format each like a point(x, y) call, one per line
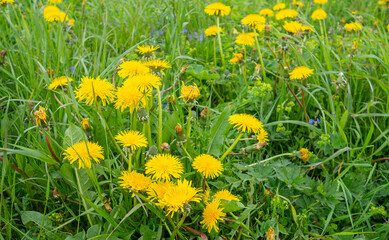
point(231, 147)
point(129, 162)
point(303, 100)
point(260, 56)
point(266, 160)
point(186, 151)
point(82, 198)
point(188, 127)
point(220, 40)
point(214, 50)
point(159, 120)
point(204, 184)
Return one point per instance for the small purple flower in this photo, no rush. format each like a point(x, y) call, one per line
point(318, 120)
point(190, 37)
point(201, 38)
point(311, 121)
point(185, 30)
point(72, 70)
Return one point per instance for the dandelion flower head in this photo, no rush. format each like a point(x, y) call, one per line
point(218, 9)
point(226, 195)
point(40, 116)
point(60, 82)
point(253, 20)
point(135, 181)
point(319, 14)
point(212, 31)
point(266, 12)
point(246, 123)
point(212, 213)
point(246, 39)
point(300, 73)
point(131, 139)
point(189, 92)
point(84, 152)
point(92, 89)
point(164, 167)
point(132, 68)
point(209, 166)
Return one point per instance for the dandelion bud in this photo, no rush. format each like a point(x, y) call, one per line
point(180, 133)
point(270, 234)
point(3, 53)
point(84, 2)
point(40, 116)
point(153, 151)
point(50, 72)
point(375, 24)
point(267, 28)
point(85, 124)
point(165, 146)
point(183, 69)
point(142, 115)
point(304, 154)
point(123, 59)
point(342, 21)
point(205, 113)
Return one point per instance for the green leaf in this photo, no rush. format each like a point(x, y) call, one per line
point(200, 72)
point(231, 206)
point(78, 236)
point(218, 131)
point(32, 153)
point(73, 135)
point(35, 217)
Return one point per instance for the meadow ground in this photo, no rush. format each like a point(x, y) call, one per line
point(189, 119)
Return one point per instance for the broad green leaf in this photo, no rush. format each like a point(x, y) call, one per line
point(218, 133)
point(73, 135)
point(35, 217)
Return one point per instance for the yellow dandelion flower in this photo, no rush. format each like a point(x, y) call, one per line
point(286, 13)
point(132, 68)
point(246, 123)
point(158, 65)
point(178, 195)
point(212, 31)
point(6, 1)
point(157, 190)
point(53, 14)
point(55, 1)
point(263, 136)
point(131, 139)
point(84, 152)
point(253, 20)
point(212, 214)
point(59, 82)
point(130, 97)
point(382, 2)
point(246, 39)
point(85, 124)
point(270, 234)
point(304, 154)
point(40, 116)
point(292, 27)
point(226, 195)
point(164, 166)
point(307, 28)
point(300, 73)
point(319, 14)
point(189, 92)
point(207, 165)
point(321, 2)
point(237, 58)
point(387, 27)
point(146, 49)
point(266, 12)
point(135, 181)
point(297, 3)
point(279, 6)
point(218, 9)
point(355, 26)
point(93, 89)
point(144, 82)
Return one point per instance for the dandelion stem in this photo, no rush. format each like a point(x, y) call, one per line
point(82, 198)
point(214, 50)
point(188, 127)
point(186, 151)
point(159, 120)
point(220, 41)
point(303, 100)
point(260, 56)
point(266, 160)
point(129, 162)
point(230, 148)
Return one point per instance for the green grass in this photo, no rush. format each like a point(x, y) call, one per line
point(335, 195)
